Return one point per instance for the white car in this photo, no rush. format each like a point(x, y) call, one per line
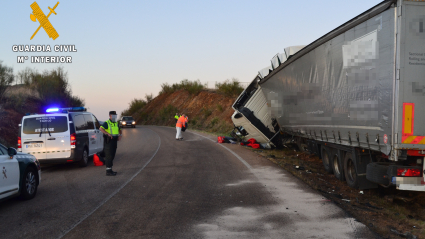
point(20, 174)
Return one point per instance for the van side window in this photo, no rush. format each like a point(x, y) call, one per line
point(96, 122)
point(89, 121)
point(79, 122)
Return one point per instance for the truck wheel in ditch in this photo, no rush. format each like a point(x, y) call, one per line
point(327, 161)
point(377, 173)
point(84, 158)
point(337, 168)
point(350, 171)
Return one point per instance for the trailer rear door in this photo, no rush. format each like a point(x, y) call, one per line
point(411, 76)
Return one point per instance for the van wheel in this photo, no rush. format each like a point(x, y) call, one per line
point(84, 158)
point(336, 166)
point(350, 171)
point(29, 184)
point(326, 160)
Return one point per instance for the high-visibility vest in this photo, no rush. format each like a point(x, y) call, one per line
point(176, 117)
point(113, 128)
point(180, 122)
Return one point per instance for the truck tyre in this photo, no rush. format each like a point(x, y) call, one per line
point(350, 171)
point(327, 161)
point(337, 168)
point(377, 173)
point(302, 146)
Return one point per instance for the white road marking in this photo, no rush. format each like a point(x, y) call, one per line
point(115, 192)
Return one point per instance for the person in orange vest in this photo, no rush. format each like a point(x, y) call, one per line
point(186, 120)
point(179, 125)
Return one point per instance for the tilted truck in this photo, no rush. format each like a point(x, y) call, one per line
point(251, 117)
point(356, 97)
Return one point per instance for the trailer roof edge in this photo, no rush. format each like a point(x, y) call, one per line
point(368, 14)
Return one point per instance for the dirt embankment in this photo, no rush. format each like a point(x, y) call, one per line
point(207, 110)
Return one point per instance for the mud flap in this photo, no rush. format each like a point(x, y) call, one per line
point(362, 160)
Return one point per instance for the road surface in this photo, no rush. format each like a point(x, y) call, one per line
point(195, 188)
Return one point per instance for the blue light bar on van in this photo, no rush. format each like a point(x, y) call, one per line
point(50, 110)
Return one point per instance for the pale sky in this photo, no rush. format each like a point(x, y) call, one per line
point(126, 49)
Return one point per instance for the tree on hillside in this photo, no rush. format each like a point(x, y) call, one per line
point(6, 78)
point(53, 87)
point(24, 76)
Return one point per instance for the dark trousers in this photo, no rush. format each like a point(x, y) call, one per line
point(110, 150)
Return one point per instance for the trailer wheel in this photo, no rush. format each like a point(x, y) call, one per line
point(350, 171)
point(377, 173)
point(327, 161)
point(336, 166)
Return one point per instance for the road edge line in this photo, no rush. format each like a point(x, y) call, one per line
point(231, 151)
point(114, 193)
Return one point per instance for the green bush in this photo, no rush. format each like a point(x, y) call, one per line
point(52, 86)
point(149, 98)
point(214, 121)
point(167, 113)
point(220, 107)
point(230, 88)
point(193, 87)
point(134, 106)
point(206, 112)
point(194, 121)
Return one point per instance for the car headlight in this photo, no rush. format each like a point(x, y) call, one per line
point(123, 123)
point(133, 122)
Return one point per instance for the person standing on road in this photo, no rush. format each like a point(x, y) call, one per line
point(179, 125)
point(176, 117)
point(112, 134)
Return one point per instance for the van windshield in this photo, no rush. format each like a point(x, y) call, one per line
point(45, 124)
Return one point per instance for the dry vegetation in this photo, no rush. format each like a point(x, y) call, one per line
point(30, 92)
point(208, 110)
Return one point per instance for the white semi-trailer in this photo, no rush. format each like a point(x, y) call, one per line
point(356, 95)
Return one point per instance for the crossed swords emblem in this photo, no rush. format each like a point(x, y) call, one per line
point(37, 14)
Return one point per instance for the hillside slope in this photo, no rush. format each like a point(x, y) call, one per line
point(207, 110)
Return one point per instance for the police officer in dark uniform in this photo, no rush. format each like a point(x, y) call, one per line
point(112, 134)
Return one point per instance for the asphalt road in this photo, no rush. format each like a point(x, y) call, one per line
point(166, 188)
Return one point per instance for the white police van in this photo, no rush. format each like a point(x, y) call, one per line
point(61, 135)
